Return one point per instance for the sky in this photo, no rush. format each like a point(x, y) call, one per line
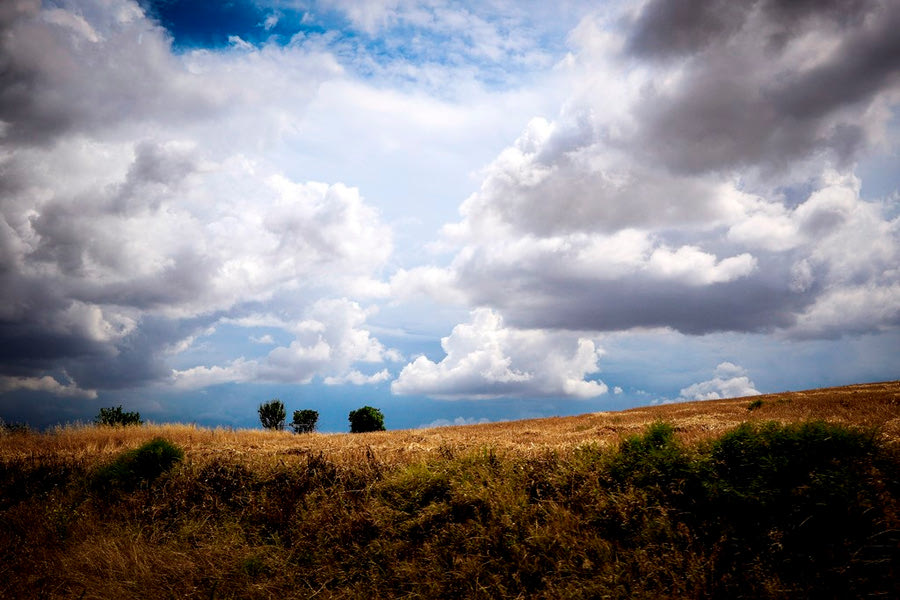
point(456, 212)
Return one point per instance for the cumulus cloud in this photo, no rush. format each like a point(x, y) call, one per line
point(813, 79)
point(455, 422)
point(356, 378)
point(328, 341)
point(485, 359)
point(48, 87)
point(136, 212)
point(670, 192)
point(45, 384)
point(730, 381)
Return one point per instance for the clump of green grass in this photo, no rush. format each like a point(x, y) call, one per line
point(137, 467)
point(755, 404)
point(797, 502)
point(654, 459)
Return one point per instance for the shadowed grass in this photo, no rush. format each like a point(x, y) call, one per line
point(137, 467)
point(767, 509)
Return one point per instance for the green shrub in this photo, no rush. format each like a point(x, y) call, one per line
point(770, 463)
point(655, 458)
point(798, 498)
point(272, 414)
point(366, 419)
point(304, 421)
point(114, 415)
point(138, 467)
point(755, 404)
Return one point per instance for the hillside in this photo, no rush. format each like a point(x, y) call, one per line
point(787, 495)
point(866, 405)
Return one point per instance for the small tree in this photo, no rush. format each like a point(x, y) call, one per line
point(305, 421)
point(114, 415)
point(272, 414)
point(366, 419)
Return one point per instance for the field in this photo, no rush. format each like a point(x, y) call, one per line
point(786, 495)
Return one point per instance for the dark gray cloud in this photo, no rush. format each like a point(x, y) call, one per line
point(567, 193)
point(744, 101)
point(74, 71)
point(549, 296)
point(867, 62)
point(132, 214)
point(657, 199)
point(140, 357)
point(664, 29)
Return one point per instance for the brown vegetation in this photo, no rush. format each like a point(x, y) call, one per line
point(599, 505)
point(866, 405)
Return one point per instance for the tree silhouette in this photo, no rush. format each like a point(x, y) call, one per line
point(305, 421)
point(272, 414)
point(114, 415)
point(366, 419)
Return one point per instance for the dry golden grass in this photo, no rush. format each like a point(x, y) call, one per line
point(259, 514)
point(867, 405)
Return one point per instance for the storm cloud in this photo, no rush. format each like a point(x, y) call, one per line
point(761, 85)
point(278, 209)
point(126, 227)
point(716, 192)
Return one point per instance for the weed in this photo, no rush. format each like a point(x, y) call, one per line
point(14, 428)
point(799, 498)
point(755, 404)
point(137, 467)
point(654, 459)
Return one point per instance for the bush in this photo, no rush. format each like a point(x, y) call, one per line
point(652, 459)
point(114, 415)
point(13, 428)
point(305, 421)
point(755, 404)
point(366, 419)
point(758, 469)
point(798, 498)
point(272, 414)
point(140, 466)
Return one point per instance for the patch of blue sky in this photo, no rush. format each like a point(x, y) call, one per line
point(227, 342)
point(428, 51)
point(215, 24)
point(403, 52)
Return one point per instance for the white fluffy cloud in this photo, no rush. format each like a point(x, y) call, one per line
point(44, 384)
point(328, 342)
point(635, 208)
point(730, 381)
point(455, 422)
point(670, 193)
point(135, 212)
point(150, 195)
point(356, 378)
point(485, 359)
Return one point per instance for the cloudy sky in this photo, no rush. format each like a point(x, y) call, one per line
point(453, 211)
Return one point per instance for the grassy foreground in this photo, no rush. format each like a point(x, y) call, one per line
point(789, 495)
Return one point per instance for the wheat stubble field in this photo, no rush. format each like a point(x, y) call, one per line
point(866, 405)
point(785, 495)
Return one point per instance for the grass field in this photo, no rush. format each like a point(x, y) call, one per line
point(670, 501)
